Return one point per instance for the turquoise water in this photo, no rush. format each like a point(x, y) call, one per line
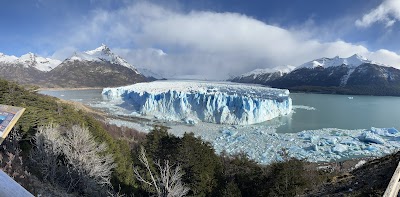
point(331, 111)
point(343, 112)
point(84, 96)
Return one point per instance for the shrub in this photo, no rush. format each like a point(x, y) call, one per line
point(165, 181)
point(72, 159)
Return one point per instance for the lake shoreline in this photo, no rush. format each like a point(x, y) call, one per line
point(59, 89)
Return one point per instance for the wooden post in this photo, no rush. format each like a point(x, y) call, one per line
point(394, 185)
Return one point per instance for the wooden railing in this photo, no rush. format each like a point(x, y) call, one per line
point(394, 184)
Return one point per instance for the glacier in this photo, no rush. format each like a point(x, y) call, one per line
point(194, 101)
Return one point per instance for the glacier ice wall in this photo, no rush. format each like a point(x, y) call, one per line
point(214, 102)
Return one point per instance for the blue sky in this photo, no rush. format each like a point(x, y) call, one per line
point(200, 38)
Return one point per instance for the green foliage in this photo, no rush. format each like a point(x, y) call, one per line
point(43, 110)
point(161, 145)
point(288, 178)
point(196, 158)
point(251, 178)
point(200, 163)
point(40, 110)
point(231, 189)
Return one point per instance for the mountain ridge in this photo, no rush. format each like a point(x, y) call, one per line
point(352, 75)
point(30, 60)
point(99, 67)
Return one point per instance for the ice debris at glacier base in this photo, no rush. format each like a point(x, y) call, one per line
point(262, 144)
point(195, 101)
point(315, 145)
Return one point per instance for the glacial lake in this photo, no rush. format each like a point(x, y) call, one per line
point(311, 111)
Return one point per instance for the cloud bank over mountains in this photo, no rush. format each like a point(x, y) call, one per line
point(213, 45)
point(388, 12)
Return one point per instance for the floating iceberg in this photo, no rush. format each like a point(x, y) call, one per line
point(213, 102)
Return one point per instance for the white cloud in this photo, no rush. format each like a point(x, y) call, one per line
point(386, 57)
point(64, 53)
point(202, 43)
point(388, 12)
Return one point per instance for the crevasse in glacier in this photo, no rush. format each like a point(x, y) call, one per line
point(214, 102)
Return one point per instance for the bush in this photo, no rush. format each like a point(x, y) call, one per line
point(288, 178)
point(165, 181)
point(72, 159)
point(196, 158)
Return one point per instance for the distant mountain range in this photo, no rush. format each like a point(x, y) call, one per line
point(96, 68)
point(352, 75)
point(103, 68)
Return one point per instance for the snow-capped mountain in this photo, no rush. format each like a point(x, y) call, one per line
point(352, 75)
point(29, 68)
point(149, 73)
point(263, 75)
point(101, 54)
point(279, 69)
point(30, 60)
point(352, 61)
point(7, 58)
point(95, 68)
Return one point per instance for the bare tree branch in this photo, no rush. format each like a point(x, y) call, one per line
point(166, 182)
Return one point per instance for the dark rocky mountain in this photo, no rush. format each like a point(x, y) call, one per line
point(27, 69)
point(353, 75)
point(76, 73)
point(262, 76)
point(96, 68)
point(20, 74)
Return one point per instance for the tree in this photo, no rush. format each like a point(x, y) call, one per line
point(200, 163)
point(72, 159)
point(165, 182)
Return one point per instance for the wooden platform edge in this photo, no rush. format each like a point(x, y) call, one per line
point(9, 187)
point(394, 184)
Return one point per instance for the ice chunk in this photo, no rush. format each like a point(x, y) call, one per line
point(371, 148)
point(384, 131)
point(339, 148)
point(330, 139)
point(360, 163)
point(214, 102)
point(371, 137)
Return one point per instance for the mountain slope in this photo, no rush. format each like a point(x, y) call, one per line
point(96, 68)
point(352, 75)
point(262, 76)
point(28, 68)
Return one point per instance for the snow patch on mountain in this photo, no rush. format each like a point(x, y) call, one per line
point(41, 63)
point(7, 59)
point(257, 72)
point(149, 73)
point(102, 53)
point(31, 60)
point(352, 61)
point(345, 78)
point(193, 101)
